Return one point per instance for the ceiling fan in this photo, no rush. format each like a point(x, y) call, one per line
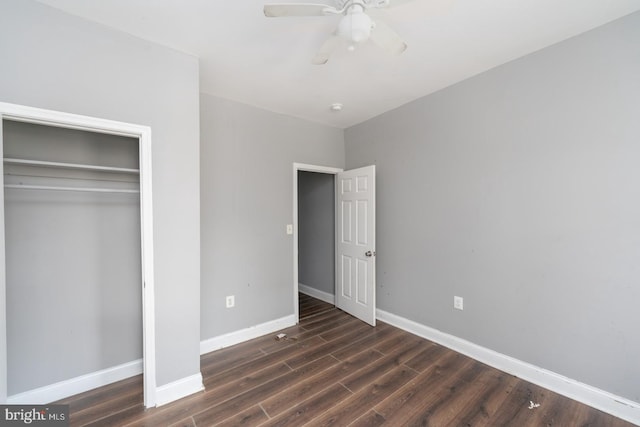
point(355, 26)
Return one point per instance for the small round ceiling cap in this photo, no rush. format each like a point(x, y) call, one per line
point(336, 106)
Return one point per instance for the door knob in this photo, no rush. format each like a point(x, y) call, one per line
point(369, 253)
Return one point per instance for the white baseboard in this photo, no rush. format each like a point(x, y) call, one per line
point(232, 338)
point(607, 402)
point(178, 389)
point(66, 388)
point(313, 292)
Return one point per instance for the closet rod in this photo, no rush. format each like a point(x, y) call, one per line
point(69, 165)
point(83, 189)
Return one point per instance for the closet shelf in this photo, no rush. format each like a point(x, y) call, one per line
point(80, 189)
point(60, 165)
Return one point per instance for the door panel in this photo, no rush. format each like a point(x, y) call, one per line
point(355, 281)
point(346, 222)
point(345, 289)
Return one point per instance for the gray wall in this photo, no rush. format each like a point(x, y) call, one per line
point(316, 231)
point(56, 61)
point(73, 259)
point(247, 157)
point(519, 190)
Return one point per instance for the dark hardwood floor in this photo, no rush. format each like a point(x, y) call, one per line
point(335, 370)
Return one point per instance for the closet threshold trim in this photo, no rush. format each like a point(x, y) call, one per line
point(82, 189)
point(61, 165)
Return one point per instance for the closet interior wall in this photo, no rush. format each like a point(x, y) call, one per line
point(316, 231)
point(73, 258)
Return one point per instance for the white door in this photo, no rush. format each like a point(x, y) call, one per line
point(356, 243)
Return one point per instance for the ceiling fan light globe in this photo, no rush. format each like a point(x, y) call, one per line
point(355, 26)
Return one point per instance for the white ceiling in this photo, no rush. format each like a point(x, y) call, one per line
point(265, 62)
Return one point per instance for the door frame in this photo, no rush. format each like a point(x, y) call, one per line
point(302, 167)
point(40, 116)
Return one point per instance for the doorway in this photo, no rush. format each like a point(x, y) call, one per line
point(316, 236)
point(355, 239)
point(18, 113)
point(313, 177)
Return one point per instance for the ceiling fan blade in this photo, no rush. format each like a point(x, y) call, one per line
point(378, 4)
point(326, 50)
point(393, 3)
point(300, 9)
point(431, 6)
point(383, 36)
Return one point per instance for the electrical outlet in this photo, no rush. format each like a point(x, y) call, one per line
point(231, 301)
point(289, 228)
point(458, 303)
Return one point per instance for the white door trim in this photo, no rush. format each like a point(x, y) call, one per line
point(306, 168)
point(143, 133)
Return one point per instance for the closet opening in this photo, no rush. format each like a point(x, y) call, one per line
point(77, 250)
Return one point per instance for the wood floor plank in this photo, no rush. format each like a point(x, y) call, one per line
point(170, 413)
point(327, 326)
point(349, 336)
point(227, 354)
point(306, 334)
point(290, 339)
point(254, 416)
point(321, 319)
point(107, 407)
point(375, 343)
point(442, 408)
point(513, 409)
point(187, 422)
point(348, 326)
point(229, 361)
point(241, 353)
point(601, 419)
point(549, 411)
point(402, 405)
point(116, 419)
point(571, 413)
point(370, 419)
point(359, 404)
point(557, 410)
point(249, 381)
point(269, 340)
point(375, 336)
point(280, 402)
point(400, 338)
point(426, 357)
point(298, 348)
point(245, 352)
point(430, 407)
point(223, 401)
point(313, 309)
point(480, 411)
point(254, 396)
point(79, 402)
point(368, 375)
point(334, 327)
point(311, 408)
point(335, 370)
